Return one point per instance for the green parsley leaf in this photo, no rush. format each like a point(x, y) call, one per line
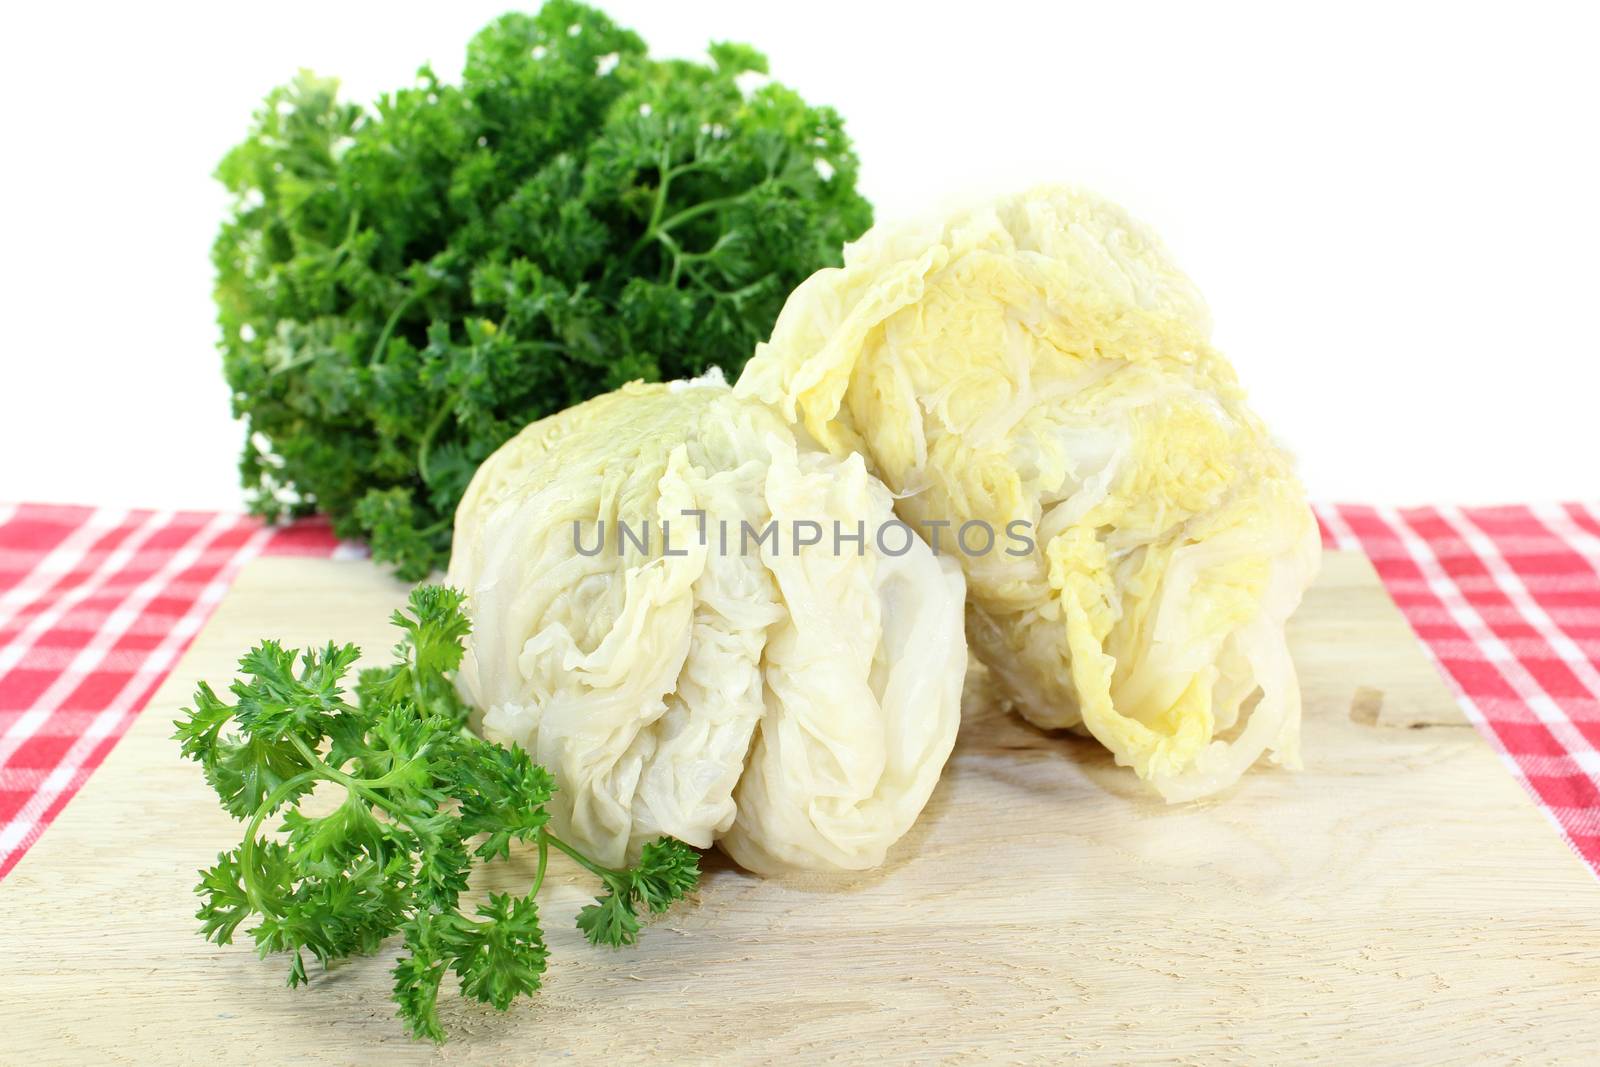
point(668, 870)
point(610, 920)
point(502, 957)
point(244, 773)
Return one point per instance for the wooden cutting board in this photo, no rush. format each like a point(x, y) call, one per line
point(1399, 901)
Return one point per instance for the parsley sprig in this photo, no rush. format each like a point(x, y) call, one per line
point(403, 287)
point(423, 800)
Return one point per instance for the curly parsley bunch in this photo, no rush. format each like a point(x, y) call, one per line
point(402, 289)
point(421, 803)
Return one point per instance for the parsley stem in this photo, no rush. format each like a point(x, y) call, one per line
point(710, 253)
point(544, 861)
point(426, 444)
point(247, 850)
point(660, 204)
point(605, 873)
point(366, 787)
point(389, 325)
point(654, 229)
point(687, 168)
point(693, 212)
point(343, 246)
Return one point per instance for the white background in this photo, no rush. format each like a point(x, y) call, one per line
point(1394, 210)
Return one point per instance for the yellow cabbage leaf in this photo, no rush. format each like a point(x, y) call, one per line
point(1039, 361)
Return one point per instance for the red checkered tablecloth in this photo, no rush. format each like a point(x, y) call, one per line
point(96, 605)
point(1507, 603)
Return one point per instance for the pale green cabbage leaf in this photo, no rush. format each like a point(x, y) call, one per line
point(1040, 359)
point(796, 708)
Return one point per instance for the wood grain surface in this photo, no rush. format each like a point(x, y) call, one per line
point(1398, 901)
